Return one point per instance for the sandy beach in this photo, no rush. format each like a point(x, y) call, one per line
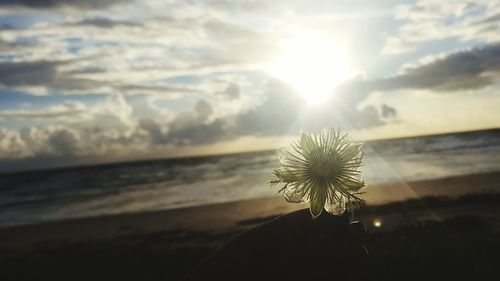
point(164, 245)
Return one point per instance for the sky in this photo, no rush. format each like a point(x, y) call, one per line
point(96, 81)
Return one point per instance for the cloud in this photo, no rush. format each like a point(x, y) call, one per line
point(64, 142)
point(66, 110)
point(243, 6)
point(233, 42)
point(27, 73)
point(156, 89)
point(50, 141)
point(156, 133)
point(46, 4)
point(105, 54)
point(100, 130)
point(51, 75)
point(107, 129)
point(274, 115)
point(366, 117)
point(74, 128)
point(42, 74)
point(150, 59)
point(388, 111)
point(198, 133)
point(101, 22)
point(203, 110)
point(31, 50)
point(281, 112)
point(432, 20)
point(191, 127)
point(231, 92)
point(196, 126)
point(469, 69)
point(492, 19)
point(11, 144)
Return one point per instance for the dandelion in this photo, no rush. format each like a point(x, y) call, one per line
point(322, 169)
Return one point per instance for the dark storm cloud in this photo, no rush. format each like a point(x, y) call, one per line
point(472, 69)
point(41, 4)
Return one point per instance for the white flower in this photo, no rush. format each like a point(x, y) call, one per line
point(322, 169)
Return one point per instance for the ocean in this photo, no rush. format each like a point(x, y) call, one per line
point(52, 195)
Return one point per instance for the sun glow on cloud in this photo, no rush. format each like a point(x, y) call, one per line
point(312, 64)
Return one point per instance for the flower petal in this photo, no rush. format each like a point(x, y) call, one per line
point(317, 200)
point(284, 175)
point(307, 143)
point(352, 184)
point(352, 151)
point(294, 196)
point(335, 207)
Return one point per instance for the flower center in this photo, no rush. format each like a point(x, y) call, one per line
point(325, 168)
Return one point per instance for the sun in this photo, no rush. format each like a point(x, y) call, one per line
point(312, 65)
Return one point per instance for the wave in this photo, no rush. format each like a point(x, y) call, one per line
point(167, 184)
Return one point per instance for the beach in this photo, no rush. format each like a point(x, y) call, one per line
point(249, 140)
point(167, 244)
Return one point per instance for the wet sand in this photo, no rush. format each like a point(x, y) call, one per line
point(164, 245)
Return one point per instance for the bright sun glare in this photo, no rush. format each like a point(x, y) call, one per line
point(312, 65)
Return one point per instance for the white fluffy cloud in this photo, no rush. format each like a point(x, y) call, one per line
point(431, 20)
point(11, 145)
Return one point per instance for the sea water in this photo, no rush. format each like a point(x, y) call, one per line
point(38, 196)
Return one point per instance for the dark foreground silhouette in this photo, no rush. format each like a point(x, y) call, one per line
point(291, 247)
point(462, 242)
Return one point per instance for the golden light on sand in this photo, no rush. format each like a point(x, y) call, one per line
point(312, 64)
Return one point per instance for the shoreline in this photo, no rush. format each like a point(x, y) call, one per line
point(223, 217)
point(457, 221)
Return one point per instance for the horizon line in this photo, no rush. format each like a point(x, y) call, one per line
point(200, 156)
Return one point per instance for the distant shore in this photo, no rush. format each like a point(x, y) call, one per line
point(207, 227)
